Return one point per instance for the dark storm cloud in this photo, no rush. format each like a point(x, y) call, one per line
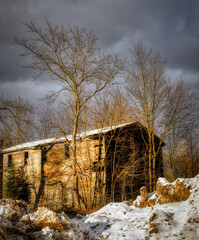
point(170, 26)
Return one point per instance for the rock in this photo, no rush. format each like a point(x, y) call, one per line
point(144, 196)
point(141, 201)
point(166, 192)
point(151, 202)
point(14, 209)
point(129, 202)
point(2, 236)
point(172, 192)
point(153, 217)
point(143, 193)
point(40, 225)
point(181, 192)
point(153, 228)
point(136, 203)
point(79, 216)
point(44, 217)
point(163, 188)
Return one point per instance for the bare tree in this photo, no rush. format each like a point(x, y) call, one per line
point(147, 87)
point(183, 125)
point(126, 163)
point(150, 91)
point(186, 162)
point(72, 57)
point(166, 109)
point(192, 147)
point(64, 118)
point(17, 121)
point(122, 156)
point(45, 122)
point(110, 108)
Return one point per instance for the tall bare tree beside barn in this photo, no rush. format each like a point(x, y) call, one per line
point(70, 56)
point(150, 90)
point(183, 126)
point(147, 88)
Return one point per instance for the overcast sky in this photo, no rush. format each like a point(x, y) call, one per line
point(169, 26)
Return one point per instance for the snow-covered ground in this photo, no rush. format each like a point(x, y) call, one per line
point(175, 220)
point(178, 220)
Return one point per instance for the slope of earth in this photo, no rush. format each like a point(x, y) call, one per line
point(175, 220)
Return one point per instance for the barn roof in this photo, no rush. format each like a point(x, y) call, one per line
point(67, 138)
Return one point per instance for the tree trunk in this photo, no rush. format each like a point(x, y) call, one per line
point(74, 150)
point(150, 175)
point(40, 192)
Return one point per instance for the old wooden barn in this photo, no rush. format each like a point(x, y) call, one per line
point(112, 164)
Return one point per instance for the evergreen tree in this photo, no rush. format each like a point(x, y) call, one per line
point(17, 186)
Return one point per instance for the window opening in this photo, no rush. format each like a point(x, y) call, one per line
point(67, 151)
point(26, 158)
point(9, 160)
